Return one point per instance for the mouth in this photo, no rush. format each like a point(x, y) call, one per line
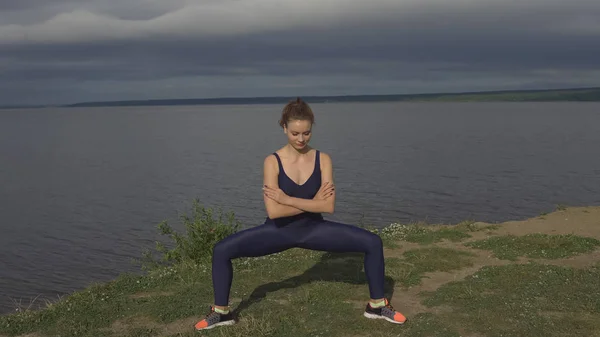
point(300, 144)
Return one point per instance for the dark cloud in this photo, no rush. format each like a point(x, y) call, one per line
point(378, 47)
point(28, 4)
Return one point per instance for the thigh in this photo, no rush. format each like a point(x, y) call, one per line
point(339, 237)
point(261, 240)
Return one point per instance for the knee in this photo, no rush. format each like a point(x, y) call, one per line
point(221, 250)
point(373, 242)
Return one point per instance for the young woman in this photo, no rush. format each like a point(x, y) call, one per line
point(298, 187)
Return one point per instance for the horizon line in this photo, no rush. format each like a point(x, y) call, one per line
point(276, 99)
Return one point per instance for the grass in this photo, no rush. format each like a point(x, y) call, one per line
point(536, 245)
point(424, 234)
point(306, 293)
point(561, 207)
point(410, 270)
point(523, 300)
point(293, 293)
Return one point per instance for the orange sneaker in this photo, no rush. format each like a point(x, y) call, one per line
point(215, 319)
point(386, 312)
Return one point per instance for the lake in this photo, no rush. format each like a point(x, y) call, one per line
point(82, 189)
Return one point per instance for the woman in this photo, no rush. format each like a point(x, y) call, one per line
point(298, 187)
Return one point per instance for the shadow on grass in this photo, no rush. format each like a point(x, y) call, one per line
point(333, 267)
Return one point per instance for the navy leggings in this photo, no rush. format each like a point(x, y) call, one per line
point(314, 234)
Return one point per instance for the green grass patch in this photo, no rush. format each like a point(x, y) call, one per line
point(423, 234)
point(523, 300)
point(410, 270)
point(510, 247)
point(294, 293)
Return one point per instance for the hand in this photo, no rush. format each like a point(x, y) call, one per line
point(326, 191)
point(276, 194)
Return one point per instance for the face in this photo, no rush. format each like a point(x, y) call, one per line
point(298, 133)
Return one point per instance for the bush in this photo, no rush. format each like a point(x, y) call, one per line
point(203, 231)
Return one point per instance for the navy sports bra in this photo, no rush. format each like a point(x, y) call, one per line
point(308, 190)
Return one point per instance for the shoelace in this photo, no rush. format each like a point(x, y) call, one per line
point(389, 305)
point(212, 313)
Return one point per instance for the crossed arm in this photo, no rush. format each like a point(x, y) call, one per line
point(278, 204)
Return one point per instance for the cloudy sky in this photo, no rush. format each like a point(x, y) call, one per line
point(67, 51)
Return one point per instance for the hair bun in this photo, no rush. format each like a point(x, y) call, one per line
point(296, 110)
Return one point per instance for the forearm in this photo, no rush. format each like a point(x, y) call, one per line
point(279, 211)
point(311, 205)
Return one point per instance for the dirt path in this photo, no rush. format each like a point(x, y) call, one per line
point(584, 221)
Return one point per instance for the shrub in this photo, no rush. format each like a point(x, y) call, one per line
point(202, 232)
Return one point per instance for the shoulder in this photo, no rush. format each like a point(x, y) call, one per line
point(270, 163)
point(270, 159)
point(325, 159)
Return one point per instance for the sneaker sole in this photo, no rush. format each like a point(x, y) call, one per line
point(373, 316)
point(217, 324)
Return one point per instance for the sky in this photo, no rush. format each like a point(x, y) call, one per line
point(69, 51)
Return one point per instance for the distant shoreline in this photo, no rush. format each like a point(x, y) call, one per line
point(542, 95)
